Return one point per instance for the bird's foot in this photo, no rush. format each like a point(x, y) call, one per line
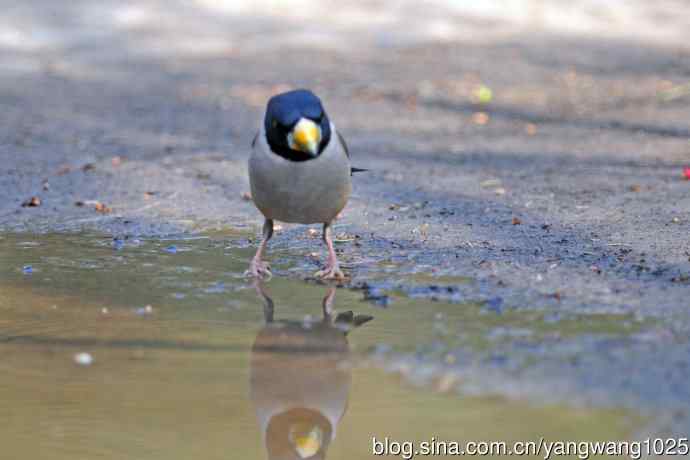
point(332, 272)
point(259, 269)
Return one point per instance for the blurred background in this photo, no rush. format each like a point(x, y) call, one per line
point(527, 81)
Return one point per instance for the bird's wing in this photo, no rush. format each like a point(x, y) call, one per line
point(341, 139)
point(343, 143)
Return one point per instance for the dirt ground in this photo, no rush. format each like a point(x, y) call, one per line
point(545, 166)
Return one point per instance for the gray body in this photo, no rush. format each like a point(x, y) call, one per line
point(305, 192)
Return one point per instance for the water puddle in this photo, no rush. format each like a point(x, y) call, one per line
point(160, 349)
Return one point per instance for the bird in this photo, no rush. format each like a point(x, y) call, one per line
point(299, 172)
point(300, 378)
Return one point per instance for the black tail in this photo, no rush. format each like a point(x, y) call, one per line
point(354, 170)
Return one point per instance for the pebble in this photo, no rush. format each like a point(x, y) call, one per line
point(480, 118)
point(83, 359)
point(147, 310)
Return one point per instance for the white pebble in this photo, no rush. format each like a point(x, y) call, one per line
point(83, 359)
point(147, 310)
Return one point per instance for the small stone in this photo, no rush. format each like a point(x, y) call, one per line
point(32, 202)
point(102, 208)
point(246, 196)
point(83, 359)
point(147, 310)
point(480, 118)
point(516, 221)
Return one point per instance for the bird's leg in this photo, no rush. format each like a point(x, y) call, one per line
point(332, 270)
point(327, 305)
point(268, 302)
point(258, 268)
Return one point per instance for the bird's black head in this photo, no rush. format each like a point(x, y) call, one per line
point(297, 127)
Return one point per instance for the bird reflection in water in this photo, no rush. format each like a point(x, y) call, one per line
point(300, 379)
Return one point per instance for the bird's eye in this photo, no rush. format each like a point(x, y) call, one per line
point(274, 123)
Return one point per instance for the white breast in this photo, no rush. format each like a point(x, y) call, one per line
point(306, 192)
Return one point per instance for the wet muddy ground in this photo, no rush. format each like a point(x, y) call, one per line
point(525, 206)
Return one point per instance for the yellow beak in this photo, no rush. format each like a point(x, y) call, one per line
point(306, 440)
point(305, 137)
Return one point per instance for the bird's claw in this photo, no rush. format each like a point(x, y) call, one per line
point(259, 269)
point(330, 273)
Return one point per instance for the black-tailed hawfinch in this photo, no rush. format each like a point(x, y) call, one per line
point(299, 171)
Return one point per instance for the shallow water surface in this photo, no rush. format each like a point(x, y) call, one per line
point(160, 349)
